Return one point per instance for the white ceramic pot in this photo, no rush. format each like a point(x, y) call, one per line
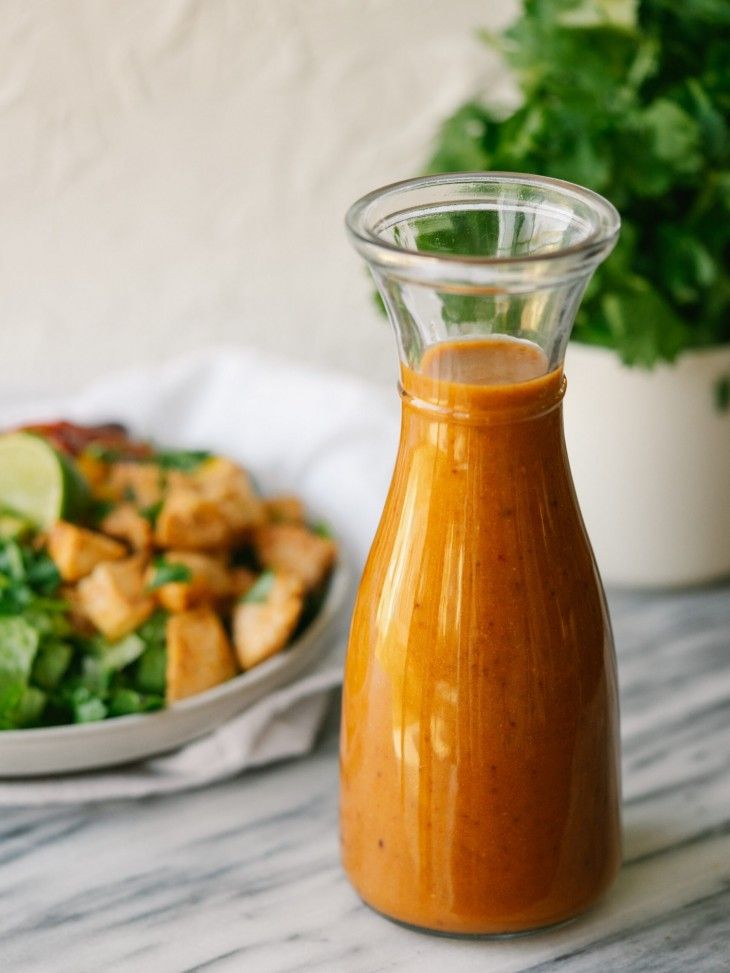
point(650, 454)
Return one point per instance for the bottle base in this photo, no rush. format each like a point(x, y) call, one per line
point(484, 936)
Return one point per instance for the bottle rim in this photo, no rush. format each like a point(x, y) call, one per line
point(379, 210)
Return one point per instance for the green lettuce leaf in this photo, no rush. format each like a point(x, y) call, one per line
point(18, 646)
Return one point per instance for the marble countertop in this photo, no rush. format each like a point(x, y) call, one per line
point(245, 875)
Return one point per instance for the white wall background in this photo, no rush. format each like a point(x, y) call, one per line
point(175, 172)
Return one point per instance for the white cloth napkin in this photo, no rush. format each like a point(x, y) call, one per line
point(329, 438)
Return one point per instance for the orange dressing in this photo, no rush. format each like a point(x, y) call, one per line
point(480, 784)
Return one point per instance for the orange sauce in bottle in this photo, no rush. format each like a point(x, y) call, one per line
point(479, 756)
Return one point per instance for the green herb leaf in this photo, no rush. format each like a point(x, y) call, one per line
point(321, 529)
point(117, 655)
point(124, 702)
point(152, 512)
point(167, 572)
point(42, 574)
point(185, 460)
point(152, 702)
point(29, 710)
point(153, 631)
point(104, 454)
point(150, 675)
point(51, 663)
point(260, 590)
point(87, 707)
point(95, 676)
point(12, 562)
point(99, 510)
point(18, 646)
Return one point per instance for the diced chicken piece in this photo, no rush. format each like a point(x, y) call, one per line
point(261, 629)
point(222, 474)
point(229, 486)
point(93, 469)
point(113, 596)
point(174, 479)
point(211, 508)
point(241, 581)
point(285, 509)
point(127, 523)
point(199, 655)
point(80, 621)
point(76, 551)
point(142, 483)
point(210, 581)
point(190, 520)
point(291, 547)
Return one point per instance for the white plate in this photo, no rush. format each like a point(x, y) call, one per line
point(87, 746)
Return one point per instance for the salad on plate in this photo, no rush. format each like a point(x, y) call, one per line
point(133, 576)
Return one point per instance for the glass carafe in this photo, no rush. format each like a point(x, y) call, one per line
point(480, 782)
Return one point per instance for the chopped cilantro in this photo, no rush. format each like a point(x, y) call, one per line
point(167, 572)
point(185, 460)
point(260, 590)
point(321, 529)
point(152, 512)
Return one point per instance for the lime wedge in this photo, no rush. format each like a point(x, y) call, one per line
point(38, 482)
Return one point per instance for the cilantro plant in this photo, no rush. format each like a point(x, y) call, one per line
point(630, 98)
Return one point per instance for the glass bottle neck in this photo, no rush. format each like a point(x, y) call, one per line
point(485, 381)
point(473, 255)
